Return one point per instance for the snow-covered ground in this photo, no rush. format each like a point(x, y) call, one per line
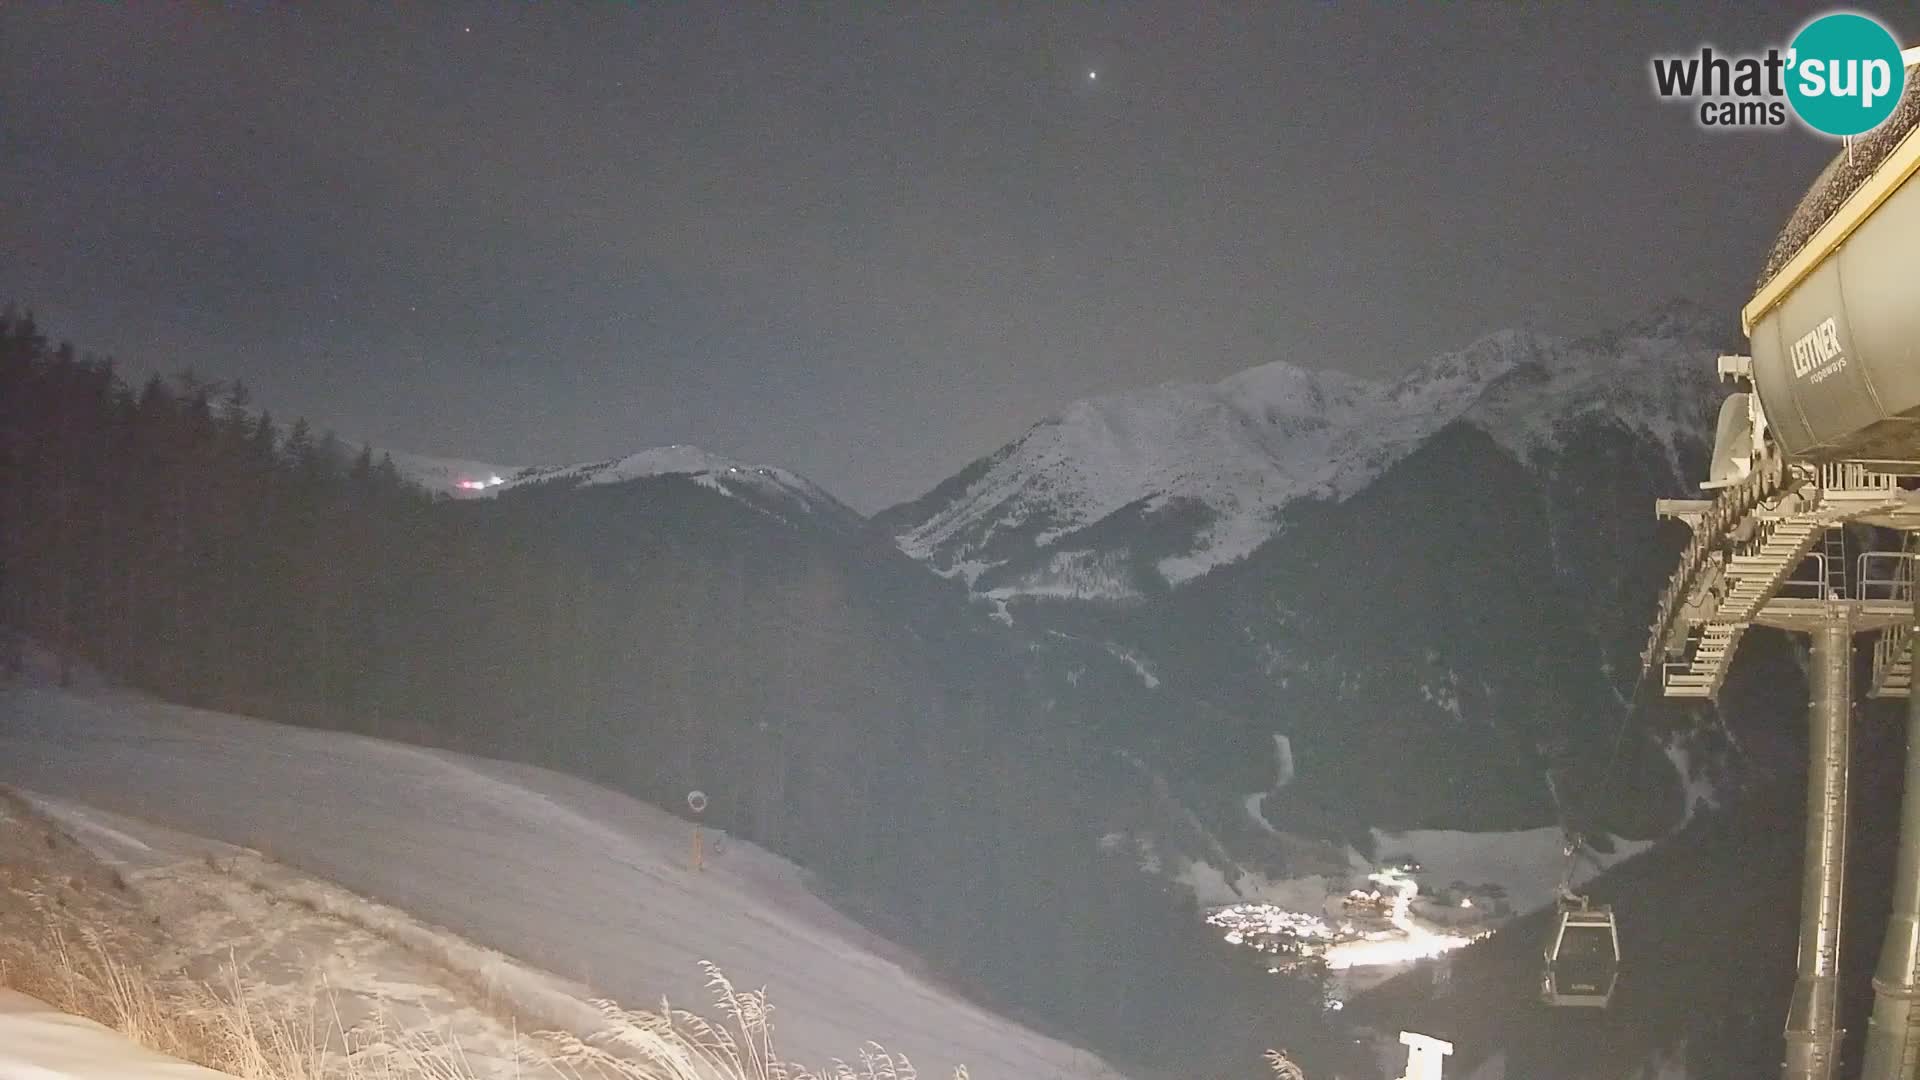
point(1527, 864)
point(38, 1042)
point(1511, 873)
point(563, 875)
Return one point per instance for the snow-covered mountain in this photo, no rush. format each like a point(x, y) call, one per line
point(771, 490)
point(1431, 591)
point(1195, 476)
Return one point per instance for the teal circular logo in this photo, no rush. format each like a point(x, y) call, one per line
point(1844, 74)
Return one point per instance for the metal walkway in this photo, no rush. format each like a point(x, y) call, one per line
point(1752, 560)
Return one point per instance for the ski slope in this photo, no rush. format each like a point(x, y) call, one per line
point(566, 876)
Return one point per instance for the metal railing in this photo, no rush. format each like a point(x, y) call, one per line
point(1813, 588)
point(1885, 575)
point(1853, 476)
point(1888, 653)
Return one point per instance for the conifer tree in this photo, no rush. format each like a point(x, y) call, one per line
point(387, 475)
point(327, 456)
point(362, 471)
point(264, 442)
point(297, 454)
point(236, 423)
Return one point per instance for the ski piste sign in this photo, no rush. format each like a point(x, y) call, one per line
point(1841, 75)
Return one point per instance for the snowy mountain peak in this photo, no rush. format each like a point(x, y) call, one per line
point(766, 488)
point(677, 460)
point(1205, 469)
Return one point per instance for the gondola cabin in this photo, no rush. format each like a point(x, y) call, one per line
point(1582, 958)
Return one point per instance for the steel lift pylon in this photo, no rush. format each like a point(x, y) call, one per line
point(1820, 440)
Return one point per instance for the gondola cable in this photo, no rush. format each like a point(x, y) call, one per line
point(1582, 958)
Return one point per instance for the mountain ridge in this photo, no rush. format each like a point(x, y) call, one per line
point(1210, 467)
point(771, 490)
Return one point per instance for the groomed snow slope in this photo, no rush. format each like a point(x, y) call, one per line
point(38, 1042)
point(565, 875)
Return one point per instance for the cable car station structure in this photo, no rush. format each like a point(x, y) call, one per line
point(1819, 442)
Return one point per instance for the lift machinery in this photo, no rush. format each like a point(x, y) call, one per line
point(1817, 454)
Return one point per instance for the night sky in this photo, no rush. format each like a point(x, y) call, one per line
point(865, 243)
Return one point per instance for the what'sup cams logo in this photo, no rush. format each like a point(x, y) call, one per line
point(1842, 75)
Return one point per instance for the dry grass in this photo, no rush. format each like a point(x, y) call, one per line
point(674, 1044)
point(77, 970)
point(1283, 1066)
